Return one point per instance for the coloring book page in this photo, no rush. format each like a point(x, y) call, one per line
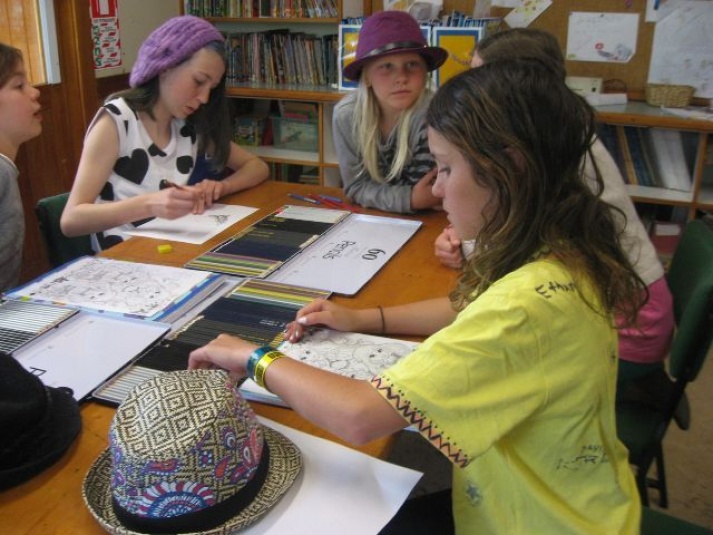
point(355, 355)
point(194, 228)
point(145, 291)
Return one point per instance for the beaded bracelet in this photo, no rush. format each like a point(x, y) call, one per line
point(254, 357)
point(261, 368)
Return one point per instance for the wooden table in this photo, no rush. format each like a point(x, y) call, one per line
point(51, 503)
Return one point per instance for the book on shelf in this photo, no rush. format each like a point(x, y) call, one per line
point(640, 159)
point(653, 157)
point(669, 158)
point(280, 57)
point(665, 237)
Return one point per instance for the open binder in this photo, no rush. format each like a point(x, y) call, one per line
point(321, 248)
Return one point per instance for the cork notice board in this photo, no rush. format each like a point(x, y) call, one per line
point(556, 20)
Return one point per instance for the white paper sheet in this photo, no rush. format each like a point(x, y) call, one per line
point(682, 51)
point(523, 15)
point(339, 491)
point(194, 228)
point(607, 37)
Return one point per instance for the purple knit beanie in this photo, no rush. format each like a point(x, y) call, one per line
point(173, 42)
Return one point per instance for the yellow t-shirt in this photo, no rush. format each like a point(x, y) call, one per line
point(519, 393)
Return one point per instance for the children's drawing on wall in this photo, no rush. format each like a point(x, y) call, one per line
point(605, 37)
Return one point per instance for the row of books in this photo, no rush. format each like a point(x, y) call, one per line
point(281, 57)
point(648, 156)
point(262, 8)
point(455, 19)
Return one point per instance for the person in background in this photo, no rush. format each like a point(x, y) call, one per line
point(379, 130)
point(644, 346)
point(142, 145)
point(515, 383)
point(20, 121)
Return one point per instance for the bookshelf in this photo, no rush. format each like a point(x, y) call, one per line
point(697, 137)
point(283, 25)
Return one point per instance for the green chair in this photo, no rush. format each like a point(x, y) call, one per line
point(657, 523)
point(60, 248)
point(641, 427)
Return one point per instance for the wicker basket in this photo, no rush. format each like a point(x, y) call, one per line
point(669, 96)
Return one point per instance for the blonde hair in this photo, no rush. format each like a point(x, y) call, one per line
point(365, 128)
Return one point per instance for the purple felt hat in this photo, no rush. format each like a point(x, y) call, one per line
point(173, 42)
point(392, 32)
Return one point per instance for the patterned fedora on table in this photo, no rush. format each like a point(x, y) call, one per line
point(187, 455)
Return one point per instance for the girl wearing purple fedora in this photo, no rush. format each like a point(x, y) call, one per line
point(379, 129)
point(147, 138)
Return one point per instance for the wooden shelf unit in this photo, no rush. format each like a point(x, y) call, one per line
point(640, 114)
point(324, 158)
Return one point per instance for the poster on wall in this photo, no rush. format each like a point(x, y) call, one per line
point(105, 33)
point(460, 44)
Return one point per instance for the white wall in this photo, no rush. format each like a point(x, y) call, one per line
point(136, 20)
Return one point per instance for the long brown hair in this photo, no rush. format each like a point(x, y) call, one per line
point(524, 135)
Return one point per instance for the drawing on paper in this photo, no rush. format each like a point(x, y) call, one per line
point(359, 356)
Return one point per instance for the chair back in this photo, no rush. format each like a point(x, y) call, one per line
point(60, 248)
point(690, 278)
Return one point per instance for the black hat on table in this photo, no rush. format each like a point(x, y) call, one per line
point(37, 423)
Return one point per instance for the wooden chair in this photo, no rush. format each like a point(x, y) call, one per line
point(60, 248)
point(642, 427)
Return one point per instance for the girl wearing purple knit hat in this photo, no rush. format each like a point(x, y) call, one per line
point(379, 130)
point(146, 138)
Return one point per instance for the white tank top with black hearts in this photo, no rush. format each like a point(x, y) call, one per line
point(142, 165)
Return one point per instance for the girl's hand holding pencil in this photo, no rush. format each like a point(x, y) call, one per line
point(175, 200)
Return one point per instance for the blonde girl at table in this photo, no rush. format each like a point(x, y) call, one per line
point(515, 382)
point(142, 145)
point(379, 129)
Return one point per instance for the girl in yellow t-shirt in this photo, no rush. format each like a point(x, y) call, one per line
point(515, 383)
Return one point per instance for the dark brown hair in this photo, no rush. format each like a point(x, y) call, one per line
point(524, 43)
point(524, 135)
point(10, 57)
